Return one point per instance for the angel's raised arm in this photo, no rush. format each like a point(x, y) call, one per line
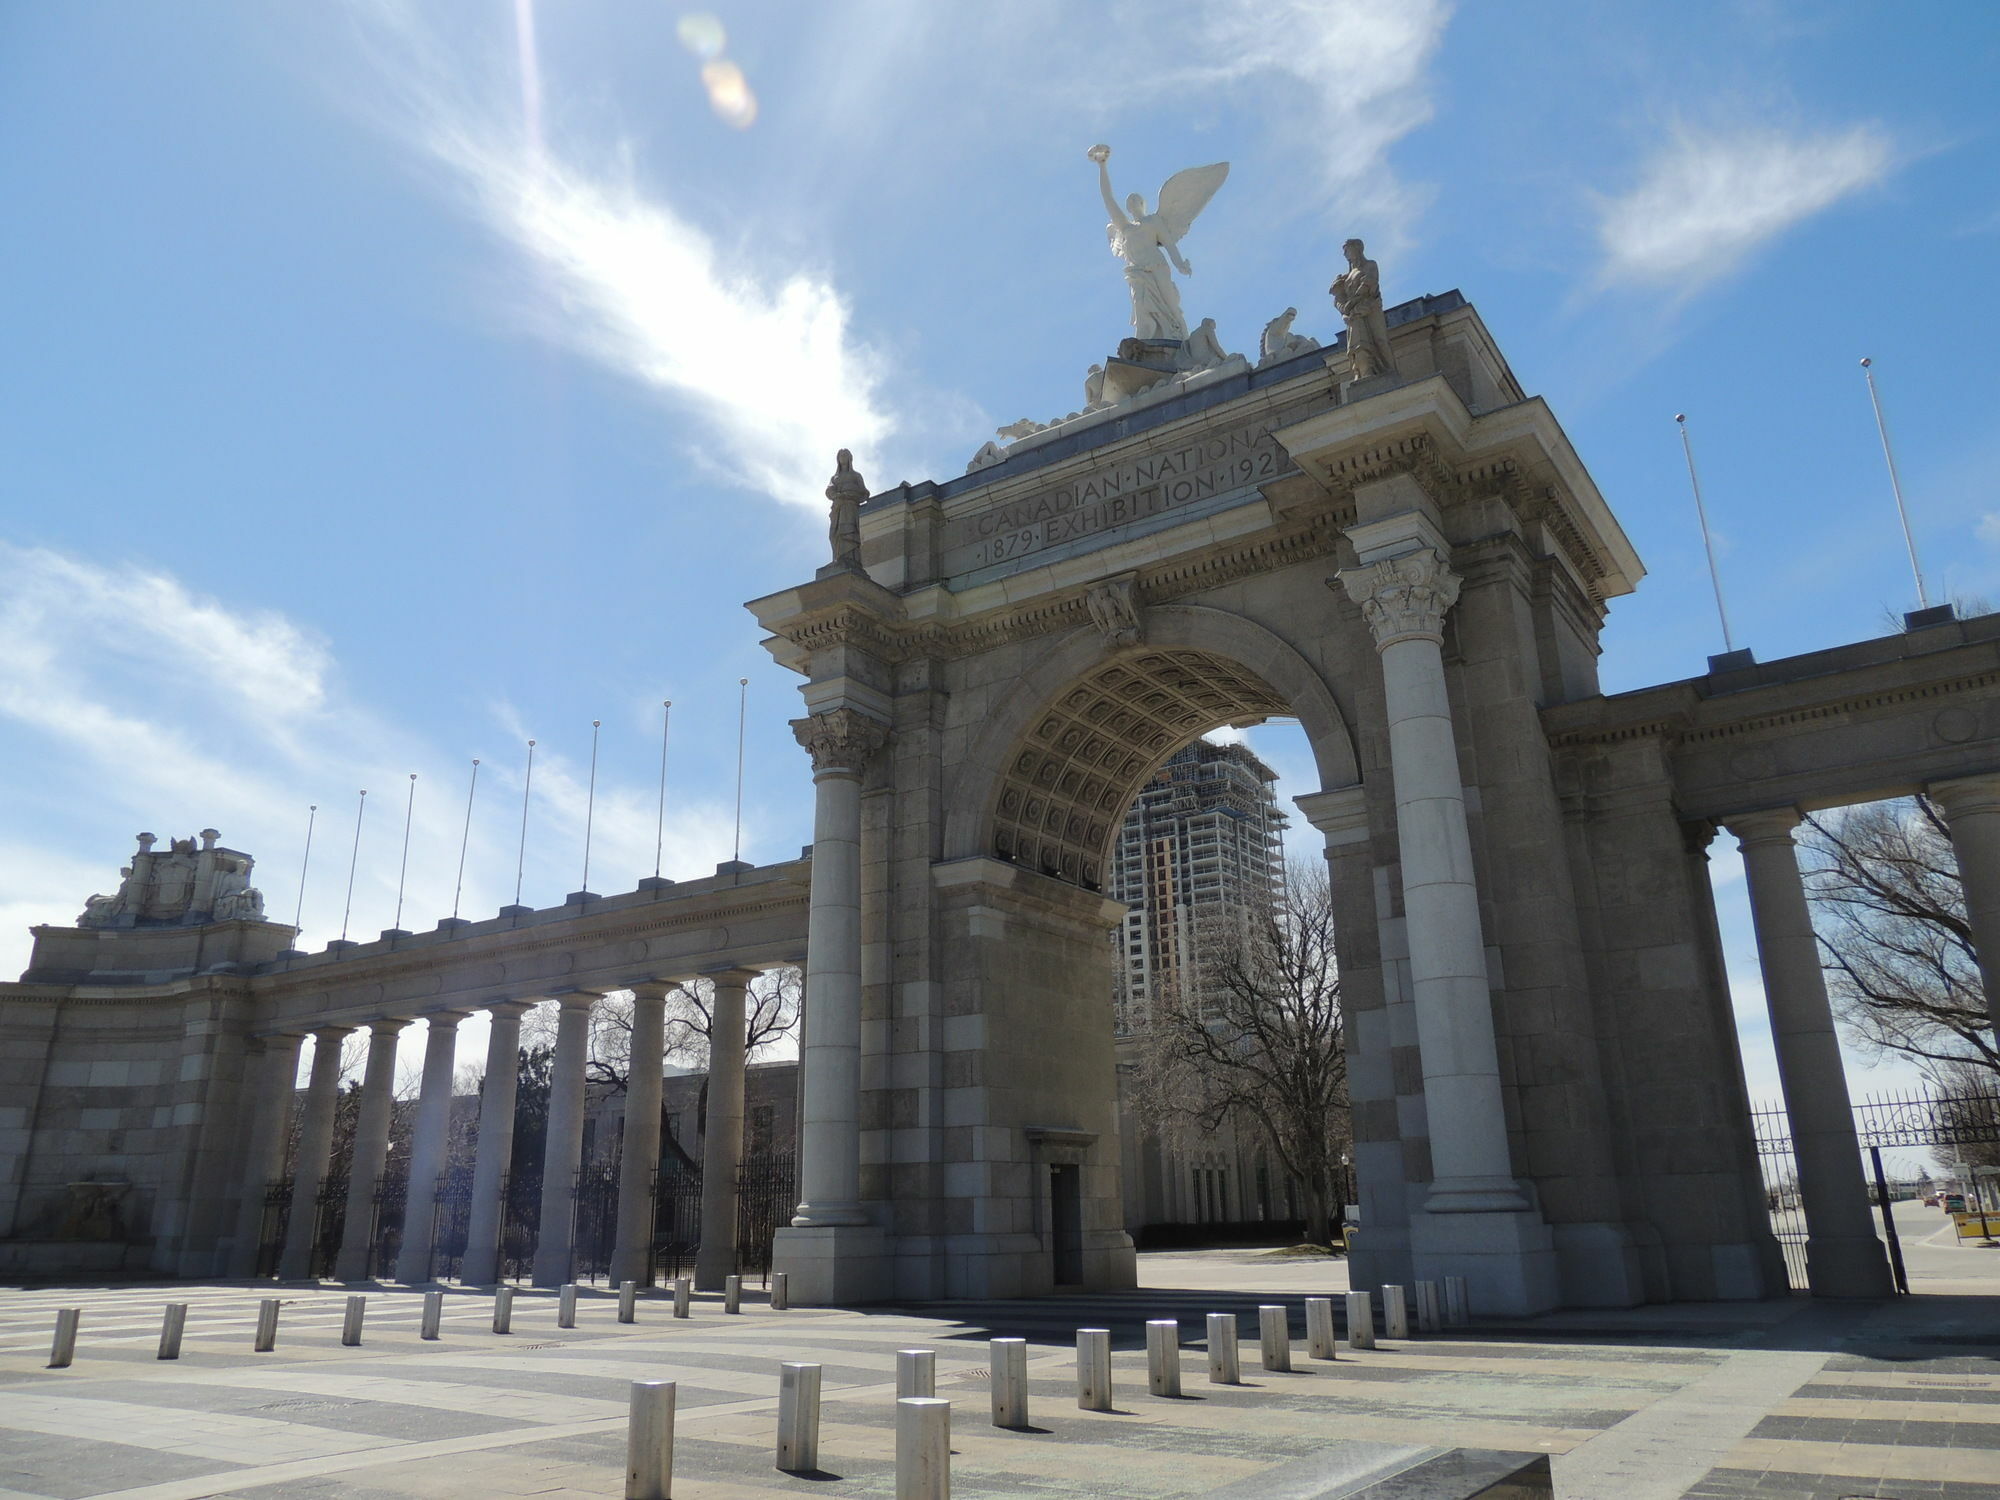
point(1101, 155)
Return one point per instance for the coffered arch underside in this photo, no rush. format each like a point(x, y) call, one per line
point(1083, 759)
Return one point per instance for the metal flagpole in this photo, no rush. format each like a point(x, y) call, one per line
point(1895, 484)
point(465, 838)
point(403, 870)
point(521, 859)
point(742, 706)
point(353, 858)
point(1707, 541)
point(590, 805)
point(660, 823)
point(305, 864)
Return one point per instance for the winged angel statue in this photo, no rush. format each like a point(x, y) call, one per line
point(1138, 238)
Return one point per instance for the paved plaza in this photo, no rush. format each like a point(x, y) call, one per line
point(1786, 1398)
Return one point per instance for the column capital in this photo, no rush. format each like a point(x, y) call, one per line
point(730, 974)
point(1341, 815)
point(1966, 795)
point(1403, 598)
point(508, 1010)
point(446, 1019)
point(653, 988)
point(334, 1032)
point(577, 999)
point(388, 1026)
point(1770, 825)
point(280, 1035)
point(840, 740)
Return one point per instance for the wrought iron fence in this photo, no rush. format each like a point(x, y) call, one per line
point(277, 1216)
point(1935, 1122)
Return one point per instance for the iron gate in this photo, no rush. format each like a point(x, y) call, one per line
point(1924, 1121)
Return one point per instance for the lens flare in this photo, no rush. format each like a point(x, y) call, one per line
point(729, 93)
point(702, 34)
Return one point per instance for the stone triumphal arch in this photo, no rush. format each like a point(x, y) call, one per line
point(1388, 539)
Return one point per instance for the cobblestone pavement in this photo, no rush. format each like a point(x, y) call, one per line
point(1776, 1399)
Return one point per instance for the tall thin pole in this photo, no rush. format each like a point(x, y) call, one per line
point(465, 838)
point(742, 707)
point(590, 803)
point(521, 859)
point(353, 858)
point(660, 822)
point(403, 870)
point(1707, 541)
point(305, 864)
point(1895, 483)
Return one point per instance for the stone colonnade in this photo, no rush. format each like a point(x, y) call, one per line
point(275, 1063)
point(1844, 1258)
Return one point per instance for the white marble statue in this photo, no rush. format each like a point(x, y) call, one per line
point(1093, 388)
point(1026, 427)
point(1204, 350)
point(1357, 292)
point(1147, 241)
point(1280, 342)
point(988, 455)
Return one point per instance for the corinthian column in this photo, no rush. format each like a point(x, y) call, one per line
point(1843, 1257)
point(493, 1155)
point(1404, 599)
point(1971, 810)
point(840, 741)
point(428, 1143)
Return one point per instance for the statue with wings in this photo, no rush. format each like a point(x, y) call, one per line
point(1147, 241)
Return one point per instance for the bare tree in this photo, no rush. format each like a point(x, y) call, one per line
point(771, 1014)
point(1253, 1032)
point(1890, 912)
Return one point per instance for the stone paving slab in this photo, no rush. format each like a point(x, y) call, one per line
point(1772, 1400)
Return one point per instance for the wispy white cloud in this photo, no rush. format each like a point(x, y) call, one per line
point(760, 355)
point(145, 704)
point(1362, 73)
point(1706, 199)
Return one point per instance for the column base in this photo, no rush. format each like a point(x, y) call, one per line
point(833, 1265)
point(1848, 1268)
point(1508, 1259)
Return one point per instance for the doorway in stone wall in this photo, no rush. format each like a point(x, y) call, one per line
point(1066, 1223)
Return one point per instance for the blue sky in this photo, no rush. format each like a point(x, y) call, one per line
point(385, 383)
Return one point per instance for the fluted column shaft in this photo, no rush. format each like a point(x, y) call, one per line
point(427, 1146)
point(1405, 599)
point(315, 1146)
point(275, 1075)
point(631, 1259)
point(562, 1153)
point(722, 1138)
point(371, 1151)
point(494, 1152)
point(1843, 1257)
point(1972, 812)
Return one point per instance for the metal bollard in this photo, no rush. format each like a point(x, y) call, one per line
point(1225, 1365)
point(628, 1301)
point(1093, 1369)
point(1274, 1329)
point(1163, 1357)
point(916, 1373)
point(172, 1325)
point(1360, 1320)
point(798, 1418)
point(1319, 1327)
point(1457, 1306)
point(923, 1448)
point(63, 1349)
point(433, 1315)
point(267, 1325)
point(1427, 1307)
point(732, 1294)
point(350, 1326)
point(503, 1310)
point(683, 1296)
point(781, 1291)
point(649, 1441)
point(1010, 1382)
point(1395, 1312)
point(566, 1306)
